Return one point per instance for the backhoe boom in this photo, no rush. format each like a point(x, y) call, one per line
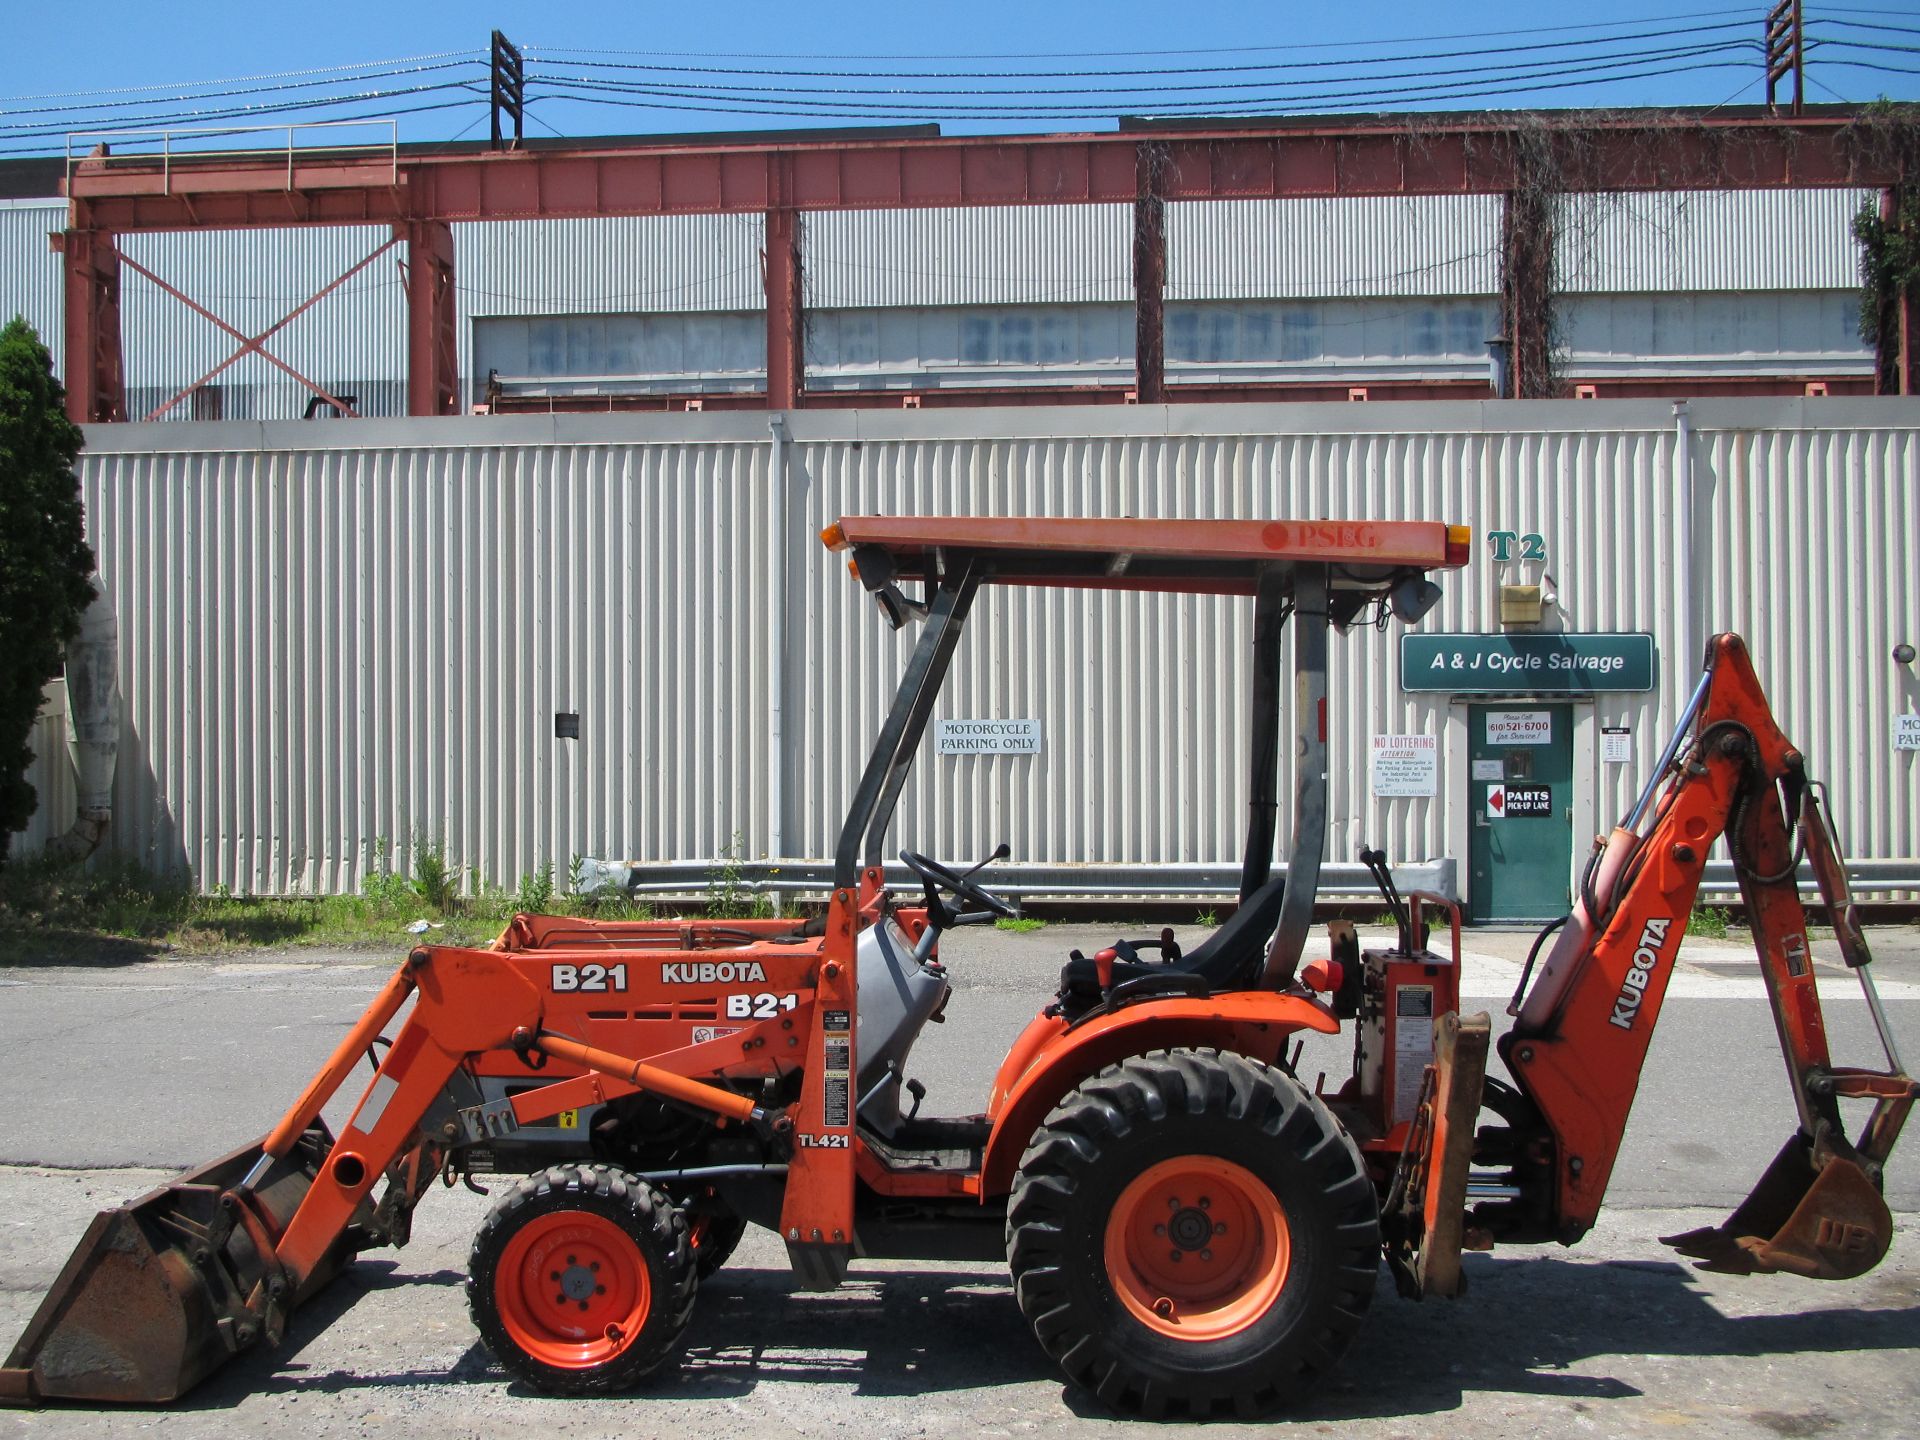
point(1580, 1041)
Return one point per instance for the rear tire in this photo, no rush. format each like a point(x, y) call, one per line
point(1192, 1233)
point(581, 1280)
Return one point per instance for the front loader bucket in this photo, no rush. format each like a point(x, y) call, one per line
point(161, 1292)
point(1826, 1221)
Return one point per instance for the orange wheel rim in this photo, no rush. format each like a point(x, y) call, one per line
point(1197, 1248)
point(572, 1290)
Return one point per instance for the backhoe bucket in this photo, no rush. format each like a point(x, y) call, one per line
point(1824, 1221)
point(161, 1292)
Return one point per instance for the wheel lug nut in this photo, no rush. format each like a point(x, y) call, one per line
point(555, 1277)
point(599, 1289)
point(572, 1261)
point(583, 1305)
point(1205, 1203)
point(1159, 1229)
point(560, 1299)
point(1177, 1255)
point(595, 1267)
point(1220, 1228)
point(1173, 1202)
point(1206, 1254)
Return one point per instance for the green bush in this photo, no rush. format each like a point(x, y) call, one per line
point(1708, 923)
point(45, 564)
point(535, 895)
point(728, 895)
point(435, 883)
point(384, 891)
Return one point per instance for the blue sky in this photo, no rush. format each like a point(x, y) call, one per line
point(1281, 55)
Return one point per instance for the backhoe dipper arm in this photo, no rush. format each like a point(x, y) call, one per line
point(1581, 1042)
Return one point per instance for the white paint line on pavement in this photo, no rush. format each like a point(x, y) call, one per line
point(1488, 977)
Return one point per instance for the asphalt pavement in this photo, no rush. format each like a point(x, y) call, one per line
point(116, 1074)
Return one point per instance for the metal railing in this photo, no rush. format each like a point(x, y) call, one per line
point(183, 144)
point(1338, 882)
point(1021, 882)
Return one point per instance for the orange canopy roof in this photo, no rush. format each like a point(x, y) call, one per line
point(1201, 556)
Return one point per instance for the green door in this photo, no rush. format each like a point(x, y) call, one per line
point(1520, 795)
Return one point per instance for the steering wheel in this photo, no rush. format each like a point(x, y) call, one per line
point(934, 876)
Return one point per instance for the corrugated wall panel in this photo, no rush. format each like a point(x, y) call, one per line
point(324, 651)
point(329, 648)
point(1299, 249)
point(995, 255)
point(1143, 697)
point(1810, 332)
point(31, 283)
point(620, 265)
point(655, 264)
point(1710, 240)
point(1809, 553)
point(50, 773)
point(354, 341)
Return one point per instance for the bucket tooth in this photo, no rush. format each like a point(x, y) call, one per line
point(155, 1296)
point(1824, 1219)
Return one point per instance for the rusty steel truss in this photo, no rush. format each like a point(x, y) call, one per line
point(1148, 166)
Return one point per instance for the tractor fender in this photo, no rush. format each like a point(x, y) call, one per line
point(1050, 1058)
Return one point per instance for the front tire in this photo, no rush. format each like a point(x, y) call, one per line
point(581, 1280)
point(1192, 1233)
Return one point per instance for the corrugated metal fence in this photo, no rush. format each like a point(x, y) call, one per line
point(336, 637)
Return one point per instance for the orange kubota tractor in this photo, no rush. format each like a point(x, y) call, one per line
point(1189, 1229)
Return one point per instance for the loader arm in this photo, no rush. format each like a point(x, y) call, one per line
point(1580, 1040)
point(216, 1261)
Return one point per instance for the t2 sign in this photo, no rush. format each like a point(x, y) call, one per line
point(1507, 545)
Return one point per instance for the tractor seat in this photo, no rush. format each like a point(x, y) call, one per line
point(1228, 959)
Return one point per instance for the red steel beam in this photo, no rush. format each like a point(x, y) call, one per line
point(786, 344)
point(1413, 157)
point(1662, 387)
point(96, 388)
point(433, 366)
point(1150, 273)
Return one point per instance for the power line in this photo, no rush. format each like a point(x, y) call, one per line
point(1218, 50)
point(125, 125)
point(1343, 75)
point(1516, 71)
point(387, 113)
point(184, 85)
point(1285, 105)
point(976, 104)
point(1287, 66)
point(255, 90)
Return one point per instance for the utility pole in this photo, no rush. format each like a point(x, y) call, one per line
point(1786, 53)
point(509, 90)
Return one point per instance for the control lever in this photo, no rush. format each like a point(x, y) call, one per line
point(1376, 863)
